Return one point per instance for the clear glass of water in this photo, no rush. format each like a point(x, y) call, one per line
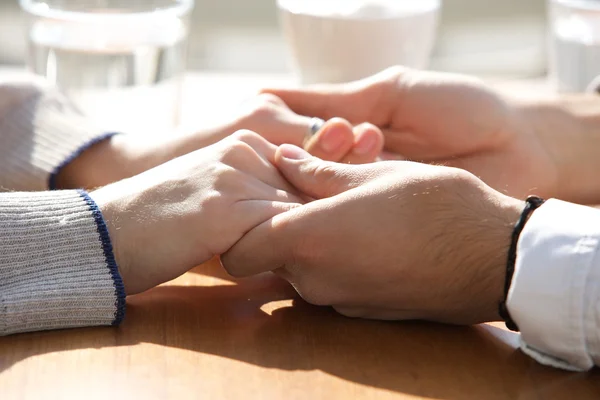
point(120, 61)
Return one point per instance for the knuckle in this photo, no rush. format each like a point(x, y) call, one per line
point(396, 70)
point(212, 199)
point(268, 99)
point(393, 74)
point(245, 136)
point(227, 178)
point(265, 106)
point(456, 178)
point(236, 149)
point(324, 171)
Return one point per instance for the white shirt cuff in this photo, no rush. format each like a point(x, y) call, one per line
point(551, 298)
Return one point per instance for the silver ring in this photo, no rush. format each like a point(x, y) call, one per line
point(315, 126)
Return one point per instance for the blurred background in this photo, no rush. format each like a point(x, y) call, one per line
point(483, 37)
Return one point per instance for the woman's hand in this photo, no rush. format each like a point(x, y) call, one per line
point(178, 215)
point(123, 156)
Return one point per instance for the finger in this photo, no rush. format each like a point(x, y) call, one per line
point(276, 122)
point(267, 247)
point(256, 157)
point(411, 146)
point(319, 179)
point(259, 190)
point(274, 243)
point(317, 100)
point(333, 141)
point(368, 144)
point(372, 99)
point(265, 149)
point(255, 212)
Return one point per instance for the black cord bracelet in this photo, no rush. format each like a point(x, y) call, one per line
point(532, 203)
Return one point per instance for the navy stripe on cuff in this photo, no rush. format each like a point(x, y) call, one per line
point(74, 155)
point(109, 256)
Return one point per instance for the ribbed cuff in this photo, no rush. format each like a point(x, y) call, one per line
point(40, 136)
point(57, 269)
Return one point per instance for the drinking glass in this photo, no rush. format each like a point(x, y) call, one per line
point(120, 61)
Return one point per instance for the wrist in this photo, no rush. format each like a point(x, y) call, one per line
point(114, 159)
point(568, 128)
point(192, 141)
point(493, 254)
point(110, 201)
point(100, 164)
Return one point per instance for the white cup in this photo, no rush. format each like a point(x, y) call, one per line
point(575, 45)
point(334, 41)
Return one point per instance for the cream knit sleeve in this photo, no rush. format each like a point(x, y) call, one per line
point(40, 132)
point(57, 268)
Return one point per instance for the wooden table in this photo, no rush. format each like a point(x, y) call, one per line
point(207, 336)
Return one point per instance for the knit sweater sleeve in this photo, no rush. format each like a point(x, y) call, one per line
point(41, 131)
point(57, 268)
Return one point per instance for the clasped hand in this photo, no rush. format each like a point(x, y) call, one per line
point(371, 240)
point(390, 240)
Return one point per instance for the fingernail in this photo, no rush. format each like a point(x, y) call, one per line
point(365, 145)
point(292, 152)
point(332, 140)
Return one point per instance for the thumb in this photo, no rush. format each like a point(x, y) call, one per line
point(317, 178)
point(325, 101)
point(367, 100)
point(267, 247)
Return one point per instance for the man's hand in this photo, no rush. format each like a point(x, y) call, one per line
point(182, 213)
point(127, 155)
point(391, 240)
point(444, 119)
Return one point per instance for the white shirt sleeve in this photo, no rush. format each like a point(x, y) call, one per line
point(555, 292)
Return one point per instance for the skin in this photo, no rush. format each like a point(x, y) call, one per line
point(180, 214)
point(375, 242)
point(545, 147)
point(124, 156)
point(166, 189)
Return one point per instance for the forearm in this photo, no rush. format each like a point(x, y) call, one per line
point(45, 142)
point(569, 129)
point(123, 156)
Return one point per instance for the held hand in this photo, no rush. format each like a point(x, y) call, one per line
point(391, 240)
point(444, 119)
point(182, 213)
point(337, 141)
point(126, 155)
